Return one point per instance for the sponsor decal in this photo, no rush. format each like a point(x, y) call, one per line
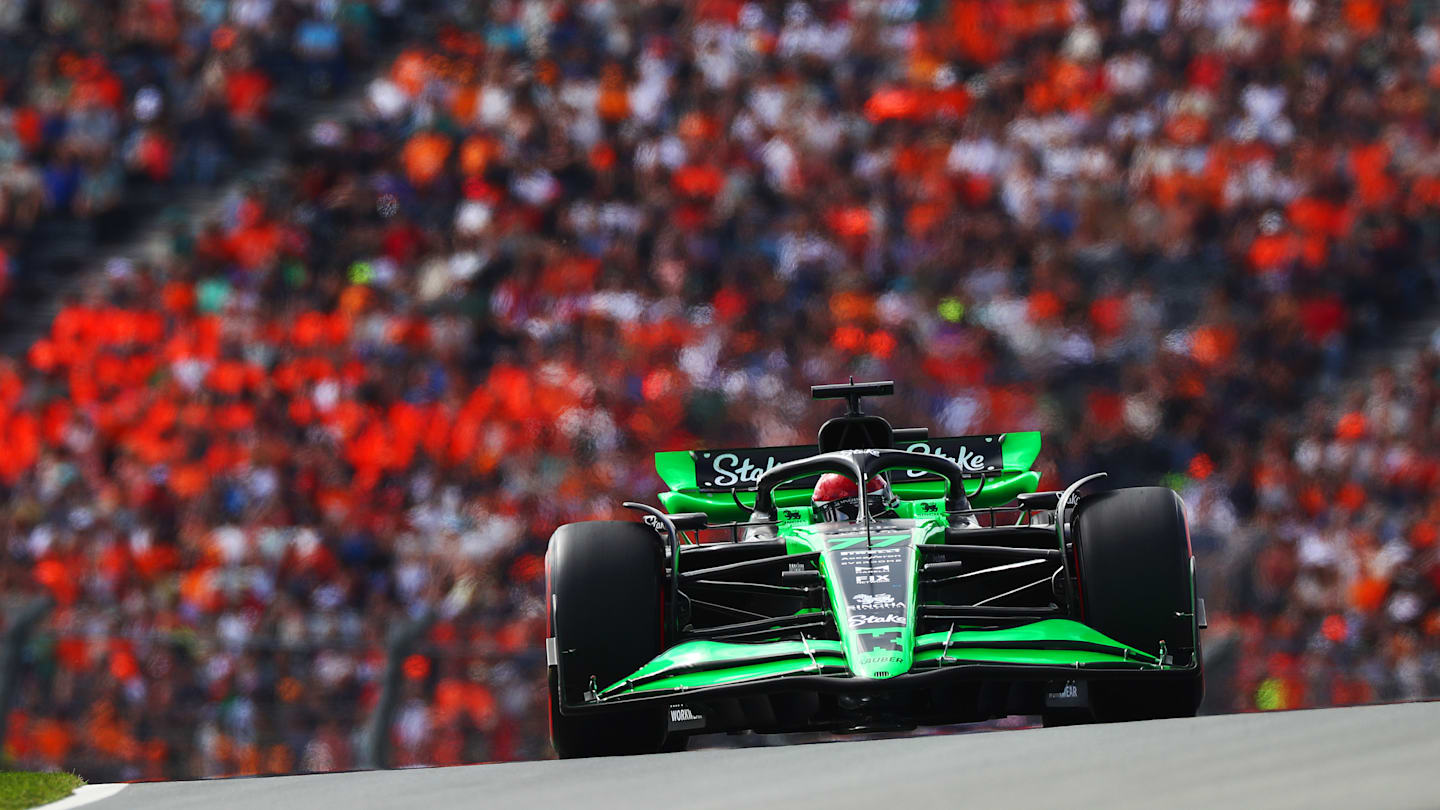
point(1070, 694)
point(881, 659)
point(877, 617)
point(731, 471)
point(846, 538)
point(869, 619)
point(877, 600)
point(929, 506)
point(875, 555)
point(876, 608)
point(976, 455)
point(683, 719)
point(654, 523)
point(741, 467)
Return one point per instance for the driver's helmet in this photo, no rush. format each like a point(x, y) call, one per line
point(837, 497)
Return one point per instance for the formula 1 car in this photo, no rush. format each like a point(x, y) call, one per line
point(950, 592)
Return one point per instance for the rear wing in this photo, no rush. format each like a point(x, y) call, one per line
point(711, 481)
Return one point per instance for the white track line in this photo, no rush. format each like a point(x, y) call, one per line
point(83, 795)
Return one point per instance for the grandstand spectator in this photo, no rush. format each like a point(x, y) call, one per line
point(99, 102)
point(557, 238)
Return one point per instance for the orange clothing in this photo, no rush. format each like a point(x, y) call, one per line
point(424, 157)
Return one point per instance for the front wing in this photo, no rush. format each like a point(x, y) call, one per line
point(1060, 652)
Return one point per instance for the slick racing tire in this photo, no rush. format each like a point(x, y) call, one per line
point(1134, 559)
point(604, 581)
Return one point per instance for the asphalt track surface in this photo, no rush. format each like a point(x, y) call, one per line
point(1370, 757)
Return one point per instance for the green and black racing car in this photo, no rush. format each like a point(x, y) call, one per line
point(768, 595)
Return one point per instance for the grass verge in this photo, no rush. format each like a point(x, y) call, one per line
point(19, 789)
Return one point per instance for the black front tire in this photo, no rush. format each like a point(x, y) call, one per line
point(1134, 557)
point(605, 580)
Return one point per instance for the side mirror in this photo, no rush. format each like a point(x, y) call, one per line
point(1039, 500)
point(907, 435)
point(690, 521)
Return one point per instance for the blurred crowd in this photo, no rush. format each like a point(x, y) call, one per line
point(101, 99)
point(1338, 602)
point(553, 238)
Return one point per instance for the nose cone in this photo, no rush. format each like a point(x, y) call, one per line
point(872, 594)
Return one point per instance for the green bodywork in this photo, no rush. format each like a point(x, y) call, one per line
point(795, 657)
point(863, 663)
point(857, 653)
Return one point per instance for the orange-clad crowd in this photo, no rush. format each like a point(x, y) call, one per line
point(549, 239)
point(107, 108)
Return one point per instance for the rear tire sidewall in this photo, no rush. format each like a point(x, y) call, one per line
point(1134, 560)
point(604, 585)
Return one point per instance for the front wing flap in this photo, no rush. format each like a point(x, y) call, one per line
point(1049, 649)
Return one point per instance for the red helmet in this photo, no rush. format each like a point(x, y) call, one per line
point(838, 498)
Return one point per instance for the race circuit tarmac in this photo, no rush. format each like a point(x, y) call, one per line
point(1370, 757)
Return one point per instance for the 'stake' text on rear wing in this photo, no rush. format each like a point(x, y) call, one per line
point(709, 480)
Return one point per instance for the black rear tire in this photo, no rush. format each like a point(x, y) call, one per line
point(1134, 557)
point(604, 590)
